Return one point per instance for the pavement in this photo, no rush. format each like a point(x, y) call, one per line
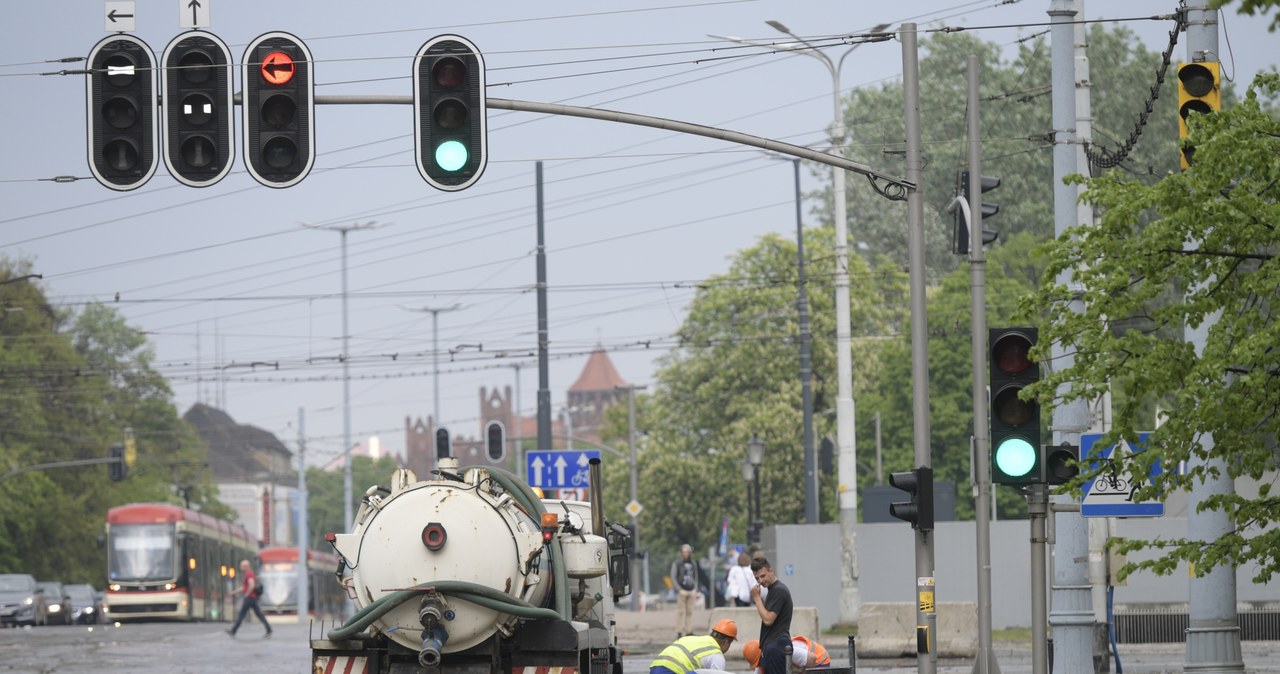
point(648, 632)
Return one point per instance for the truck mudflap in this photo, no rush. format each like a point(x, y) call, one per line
point(340, 664)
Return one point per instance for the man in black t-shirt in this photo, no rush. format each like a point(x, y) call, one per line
point(775, 618)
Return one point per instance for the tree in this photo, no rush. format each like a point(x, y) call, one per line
point(1209, 234)
point(70, 383)
point(324, 494)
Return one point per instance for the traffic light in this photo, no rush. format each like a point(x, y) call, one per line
point(442, 443)
point(120, 91)
point(960, 230)
point(278, 108)
point(199, 146)
point(495, 441)
point(1198, 92)
point(449, 112)
point(919, 510)
point(1061, 463)
point(1015, 423)
point(116, 470)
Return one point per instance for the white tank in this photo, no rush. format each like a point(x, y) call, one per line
point(444, 530)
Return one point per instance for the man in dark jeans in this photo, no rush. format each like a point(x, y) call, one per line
point(248, 582)
point(775, 618)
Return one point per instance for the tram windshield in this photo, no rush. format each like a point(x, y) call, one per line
point(141, 552)
point(279, 584)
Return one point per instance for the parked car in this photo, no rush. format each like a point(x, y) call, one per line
point(57, 603)
point(21, 600)
point(85, 609)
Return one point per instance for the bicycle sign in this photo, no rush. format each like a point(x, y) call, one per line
point(1110, 494)
point(560, 469)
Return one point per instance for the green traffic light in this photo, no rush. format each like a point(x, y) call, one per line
point(451, 155)
point(1015, 457)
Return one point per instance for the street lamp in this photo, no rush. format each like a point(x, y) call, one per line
point(435, 360)
point(844, 356)
point(755, 457)
point(748, 475)
point(347, 518)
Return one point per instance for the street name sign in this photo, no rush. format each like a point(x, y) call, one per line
point(1111, 494)
point(559, 469)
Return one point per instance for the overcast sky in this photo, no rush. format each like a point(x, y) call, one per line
point(226, 276)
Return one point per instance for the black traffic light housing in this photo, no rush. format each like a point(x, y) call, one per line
point(919, 510)
point(450, 125)
point(199, 132)
point(960, 228)
point(1015, 423)
point(121, 99)
point(1060, 463)
point(116, 469)
point(278, 108)
point(495, 441)
point(442, 443)
point(1199, 91)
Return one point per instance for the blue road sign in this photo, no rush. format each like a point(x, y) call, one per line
point(559, 469)
point(1110, 494)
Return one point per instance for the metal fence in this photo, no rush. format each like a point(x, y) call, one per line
point(1168, 624)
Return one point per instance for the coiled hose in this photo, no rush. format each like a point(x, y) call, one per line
point(480, 595)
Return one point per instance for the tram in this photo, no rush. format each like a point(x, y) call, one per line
point(166, 562)
point(279, 577)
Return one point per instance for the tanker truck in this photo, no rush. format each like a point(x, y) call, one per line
point(473, 572)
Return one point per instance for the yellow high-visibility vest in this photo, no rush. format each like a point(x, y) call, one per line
point(685, 655)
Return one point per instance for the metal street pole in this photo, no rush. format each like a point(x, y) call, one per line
point(435, 364)
point(347, 516)
point(926, 591)
point(806, 368)
point(303, 523)
point(635, 491)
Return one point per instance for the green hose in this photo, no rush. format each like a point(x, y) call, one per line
point(477, 594)
point(560, 577)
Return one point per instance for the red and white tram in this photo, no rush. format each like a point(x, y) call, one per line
point(167, 562)
point(279, 577)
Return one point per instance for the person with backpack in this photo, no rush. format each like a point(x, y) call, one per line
point(251, 590)
point(684, 575)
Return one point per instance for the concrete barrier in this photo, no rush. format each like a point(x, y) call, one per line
point(888, 629)
point(804, 621)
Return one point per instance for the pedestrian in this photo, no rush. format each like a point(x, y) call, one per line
point(696, 652)
point(739, 582)
point(775, 617)
point(250, 589)
point(684, 574)
point(805, 654)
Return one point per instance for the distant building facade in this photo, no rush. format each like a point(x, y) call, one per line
point(597, 388)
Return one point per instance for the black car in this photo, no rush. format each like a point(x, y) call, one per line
point(56, 602)
point(85, 607)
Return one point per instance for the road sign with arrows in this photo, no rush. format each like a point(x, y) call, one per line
point(194, 13)
point(560, 469)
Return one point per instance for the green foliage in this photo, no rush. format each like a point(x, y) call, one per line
point(324, 494)
point(1252, 7)
point(72, 383)
point(1208, 233)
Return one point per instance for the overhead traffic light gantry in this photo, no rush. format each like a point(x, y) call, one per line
point(960, 228)
point(121, 96)
point(1199, 91)
point(450, 125)
point(199, 134)
point(1015, 423)
point(278, 109)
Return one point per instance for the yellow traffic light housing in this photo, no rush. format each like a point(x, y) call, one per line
point(1199, 91)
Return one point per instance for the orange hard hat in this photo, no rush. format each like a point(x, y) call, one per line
point(751, 651)
point(726, 627)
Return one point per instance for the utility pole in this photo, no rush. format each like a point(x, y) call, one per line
point(347, 517)
point(544, 372)
point(986, 661)
point(635, 483)
point(1213, 636)
point(1072, 618)
point(926, 591)
point(806, 369)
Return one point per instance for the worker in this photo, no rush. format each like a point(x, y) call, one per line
point(696, 652)
point(805, 654)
